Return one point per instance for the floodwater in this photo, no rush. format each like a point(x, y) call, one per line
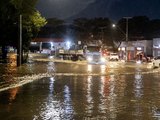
point(61, 91)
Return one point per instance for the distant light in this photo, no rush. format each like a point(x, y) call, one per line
point(139, 48)
point(51, 44)
point(68, 44)
point(123, 48)
point(138, 61)
point(33, 43)
point(50, 57)
point(113, 25)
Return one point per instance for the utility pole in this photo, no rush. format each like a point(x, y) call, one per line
point(127, 18)
point(19, 49)
point(102, 32)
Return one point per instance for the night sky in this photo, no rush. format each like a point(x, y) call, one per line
point(114, 9)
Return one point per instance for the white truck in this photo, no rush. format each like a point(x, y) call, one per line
point(113, 57)
point(94, 56)
point(74, 53)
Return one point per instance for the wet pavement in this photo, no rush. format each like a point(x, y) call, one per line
point(57, 90)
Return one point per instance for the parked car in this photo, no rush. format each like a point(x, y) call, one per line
point(156, 61)
point(113, 56)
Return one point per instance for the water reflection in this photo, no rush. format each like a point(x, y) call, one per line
point(108, 97)
point(51, 108)
point(93, 68)
point(54, 109)
point(138, 92)
point(8, 97)
point(138, 85)
point(103, 69)
point(89, 95)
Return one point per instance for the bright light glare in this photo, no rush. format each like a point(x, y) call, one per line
point(51, 44)
point(103, 68)
point(139, 62)
point(113, 25)
point(89, 58)
point(89, 68)
point(68, 44)
point(103, 59)
point(50, 57)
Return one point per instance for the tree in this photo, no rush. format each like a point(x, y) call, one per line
point(94, 29)
point(32, 22)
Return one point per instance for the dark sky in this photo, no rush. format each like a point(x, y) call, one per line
point(62, 8)
point(113, 9)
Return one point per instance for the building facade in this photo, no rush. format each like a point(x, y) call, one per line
point(156, 47)
point(131, 49)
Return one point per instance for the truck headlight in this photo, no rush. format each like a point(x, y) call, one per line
point(103, 59)
point(89, 58)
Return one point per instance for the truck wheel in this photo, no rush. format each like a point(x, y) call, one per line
point(74, 58)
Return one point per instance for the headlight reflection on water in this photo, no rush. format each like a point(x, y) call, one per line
point(89, 68)
point(53, 109)
point(89, 97)
point(103, 69)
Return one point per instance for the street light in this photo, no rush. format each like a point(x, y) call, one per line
point(115, 26)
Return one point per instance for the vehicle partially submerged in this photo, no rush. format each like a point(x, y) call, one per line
point(94, 55)
point(113, 57)
point(156, 62)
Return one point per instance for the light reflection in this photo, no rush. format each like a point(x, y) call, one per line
point(103, 69)
point(156, 112)
point(102, 106)
point(50, 109)
point(51, 67)
point(112, 97)
point(138, 85)
point(51, 85)
point(68, 109)
point(89, 68)
point(89, 96)
point(12, 96)
point(53, 109)
point(113, 64)
point(13, 92)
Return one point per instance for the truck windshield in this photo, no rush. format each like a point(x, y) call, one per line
point(93, 48)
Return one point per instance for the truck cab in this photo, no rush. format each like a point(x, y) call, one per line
point(94, 55)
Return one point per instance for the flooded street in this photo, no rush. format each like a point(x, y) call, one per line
point(66, 91)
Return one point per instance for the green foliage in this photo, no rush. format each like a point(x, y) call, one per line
point(32, 21)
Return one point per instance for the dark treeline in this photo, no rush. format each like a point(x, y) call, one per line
point(139, 28)
point(32, 21)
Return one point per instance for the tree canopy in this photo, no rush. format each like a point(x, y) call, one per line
point(32, 21)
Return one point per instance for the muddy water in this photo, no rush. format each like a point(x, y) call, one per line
point(66, 91)
point(85, 97)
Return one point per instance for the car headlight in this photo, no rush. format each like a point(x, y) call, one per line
point(89, 58)
point(103, 59)
point(139, 61)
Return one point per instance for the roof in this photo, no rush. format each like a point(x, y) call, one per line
point(48, 40)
